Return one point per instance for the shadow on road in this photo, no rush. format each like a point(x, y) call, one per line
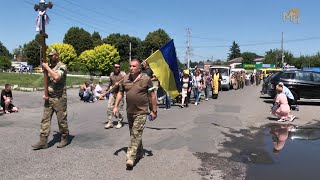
point(161, 128)
point(57, 137)
point(306, 103)
point(125, 149)
point(154, 128)
point(266, 97)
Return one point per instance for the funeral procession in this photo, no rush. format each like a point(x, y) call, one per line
point(165, 90)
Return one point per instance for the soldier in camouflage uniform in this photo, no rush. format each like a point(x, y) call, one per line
point(115, 78)
point(139, 94)
point(56, 102)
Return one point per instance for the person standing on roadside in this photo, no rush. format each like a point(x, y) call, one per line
point(139, 94)
point(56, 102)
point(116, 77)
point(216, 81)
point(207, 81)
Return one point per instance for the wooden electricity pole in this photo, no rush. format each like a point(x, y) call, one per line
point(41, 7)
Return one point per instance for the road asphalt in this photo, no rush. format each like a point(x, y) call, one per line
point(208, 141)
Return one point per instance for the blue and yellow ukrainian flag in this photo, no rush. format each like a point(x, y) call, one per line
point(164, 65)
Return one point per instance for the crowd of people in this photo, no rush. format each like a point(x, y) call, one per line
point(141, 91)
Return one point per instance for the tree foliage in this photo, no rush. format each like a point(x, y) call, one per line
point(67, 53)
point(5, 62)
point(79, 39)
point(121, 42)
point(234, 51)
point(248, 57)
point(100, 60)
point(273, 56)
point(31, 53)
point(154, 41)
point(96, 39)
point(4, 51)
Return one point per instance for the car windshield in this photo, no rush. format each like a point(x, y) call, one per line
point(275, 76)
point(222, 71)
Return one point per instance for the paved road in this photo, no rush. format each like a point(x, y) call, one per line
point(207, 141)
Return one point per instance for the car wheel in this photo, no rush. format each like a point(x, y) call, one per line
point(227, 88)
point(295, 95)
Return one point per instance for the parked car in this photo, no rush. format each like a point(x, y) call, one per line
point(302, 84)
point(265, 83)
point(38, 70)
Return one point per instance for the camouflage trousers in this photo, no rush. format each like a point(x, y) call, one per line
point(59, 106)
point(137, 123)
point(112, 100)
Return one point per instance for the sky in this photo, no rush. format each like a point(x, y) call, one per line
point(256, 25)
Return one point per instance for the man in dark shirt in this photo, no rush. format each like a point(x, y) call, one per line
point(6, 100)
point(140, 97)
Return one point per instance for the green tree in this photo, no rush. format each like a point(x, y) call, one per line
point(121, 42)
point(79, 39)
point(273, 56)
point(67, 54)
point(248, 57)
point(5, 62)
point(288, 58)
point(96, 39)
point(234, 51)
point(31, 53)
point(154, 41)
point(3, 50)
point(100, 60)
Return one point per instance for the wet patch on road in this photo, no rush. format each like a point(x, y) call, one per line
point(241, 148)
point(294, 151)
point(212, 166)
point(273, 151)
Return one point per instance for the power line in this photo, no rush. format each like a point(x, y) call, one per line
point(97, 12)
point(81, 22)
point(75, 15)
point(260, 43)
point(76, 19)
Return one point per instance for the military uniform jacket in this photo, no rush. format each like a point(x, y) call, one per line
point(57, 89)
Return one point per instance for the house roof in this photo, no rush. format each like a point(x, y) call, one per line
point(236, 60)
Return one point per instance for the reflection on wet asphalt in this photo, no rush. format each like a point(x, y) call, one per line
point(274, 151)
point(294, 152)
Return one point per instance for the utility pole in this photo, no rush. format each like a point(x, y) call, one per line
point(282, 51)
point(188, 47)
point(41, 20)
point(129, 52)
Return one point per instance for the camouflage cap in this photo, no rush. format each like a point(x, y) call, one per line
point(53, 52)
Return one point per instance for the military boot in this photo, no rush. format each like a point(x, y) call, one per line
point(42, 144)
point(109, 125)
point(129, 164)
point(63, 142)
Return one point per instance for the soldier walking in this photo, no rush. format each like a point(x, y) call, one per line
point(139, 94)
point(115, 78)
point(55, 102)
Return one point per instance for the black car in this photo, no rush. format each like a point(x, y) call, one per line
point(302, 84)
point(265, 84)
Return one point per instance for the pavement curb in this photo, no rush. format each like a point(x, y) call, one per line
point(25, 89)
